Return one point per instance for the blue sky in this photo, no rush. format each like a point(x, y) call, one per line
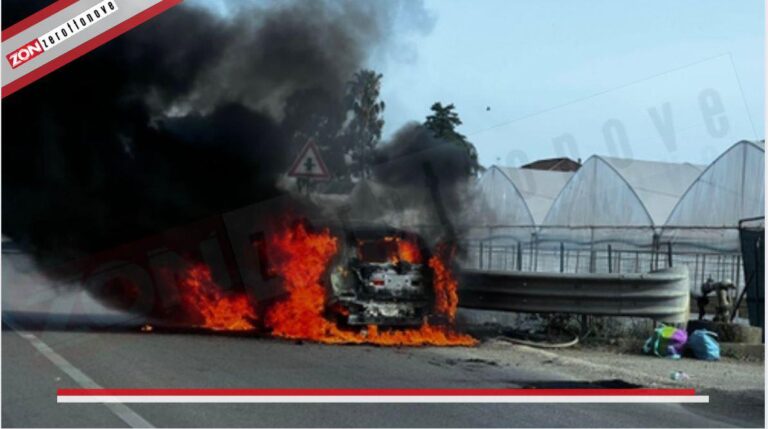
point(670, 81)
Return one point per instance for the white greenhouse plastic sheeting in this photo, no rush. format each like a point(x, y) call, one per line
point(730, 189)
point(518, 196)
point(658, 185)
point(616, 192)
point(621, 192)
point(620, 215)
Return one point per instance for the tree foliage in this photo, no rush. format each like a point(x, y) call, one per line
point(364, 129)
point(443, 122)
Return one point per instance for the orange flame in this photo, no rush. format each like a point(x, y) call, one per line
point(203, 299)
point(445, 284)
point(405, 250)
point(408, 251)
point(301, 258)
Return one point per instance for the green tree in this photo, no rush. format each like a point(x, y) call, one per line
point(364, 129)
point(443, 122)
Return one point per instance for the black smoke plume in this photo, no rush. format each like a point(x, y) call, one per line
point(430, 176)
point(189, 115)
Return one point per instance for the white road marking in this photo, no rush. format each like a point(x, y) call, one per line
point(122, 411)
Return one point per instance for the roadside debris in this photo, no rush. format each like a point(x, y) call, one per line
point(679, 376)
point(704, 345)
point(547, 344)
point(146, 328)
point(666, 341)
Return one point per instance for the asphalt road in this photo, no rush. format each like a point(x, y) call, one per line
point(127, 358)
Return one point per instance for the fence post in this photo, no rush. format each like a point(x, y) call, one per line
point(669, 254)
point(695, 274)
point(610, 260)
point(578, 253)
point(592, 249)
point(519, 256)
point(481, 254)
point(562, 256)
point(490, 255)
point(530, 254)
point(506, 255)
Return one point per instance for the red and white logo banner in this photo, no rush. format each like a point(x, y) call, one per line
point(66, 30)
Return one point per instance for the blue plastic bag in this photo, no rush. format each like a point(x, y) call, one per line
point(704, 345)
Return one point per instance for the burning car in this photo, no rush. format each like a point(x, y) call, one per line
point(343, 285)
point(380, 277)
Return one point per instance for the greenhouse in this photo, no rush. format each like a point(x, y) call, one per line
point(616, 200)
point(511, 203)
point(517, 196)
point(729, 190)
point(703, 228)
point(620, 215)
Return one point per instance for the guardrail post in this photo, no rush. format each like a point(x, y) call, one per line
point(519, 256)
point(562, 257)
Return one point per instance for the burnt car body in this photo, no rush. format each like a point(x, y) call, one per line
point(373, 281)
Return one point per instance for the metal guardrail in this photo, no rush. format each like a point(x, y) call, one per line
point(662, 295)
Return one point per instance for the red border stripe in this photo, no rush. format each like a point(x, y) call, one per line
point(88, 46)
point(35, 18)
point(376, 392)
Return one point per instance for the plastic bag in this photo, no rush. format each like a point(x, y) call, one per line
point(666, 341)
point(704, 345)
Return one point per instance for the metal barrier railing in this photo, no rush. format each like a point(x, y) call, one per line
point(660, 295)
point(641, 249)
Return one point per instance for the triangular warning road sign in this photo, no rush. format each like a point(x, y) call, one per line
point(309, 164)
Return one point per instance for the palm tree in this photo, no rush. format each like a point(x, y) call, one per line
point(367, 123)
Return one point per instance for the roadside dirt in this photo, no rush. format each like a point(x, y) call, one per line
point(736, 387)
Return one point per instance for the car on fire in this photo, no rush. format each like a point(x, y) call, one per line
point(381, 277)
